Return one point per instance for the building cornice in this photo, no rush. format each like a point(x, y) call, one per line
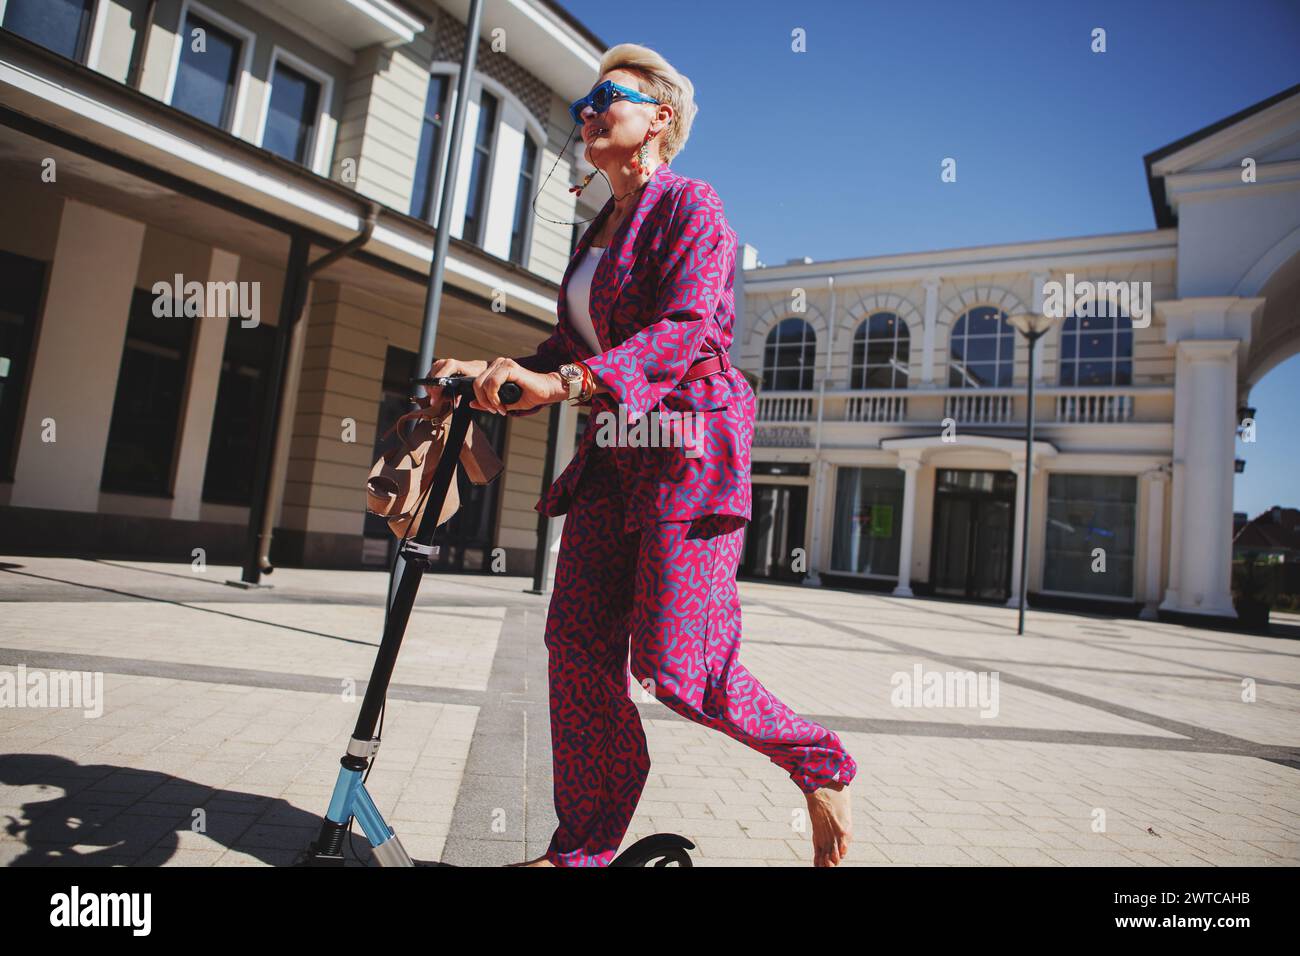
point(1254, 123)
point(1038, 256)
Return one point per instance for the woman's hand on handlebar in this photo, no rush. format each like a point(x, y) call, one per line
point(539, 388)
point(444, 368)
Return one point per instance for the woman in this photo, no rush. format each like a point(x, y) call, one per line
point(654, 529)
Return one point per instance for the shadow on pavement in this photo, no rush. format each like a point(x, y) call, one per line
point(106, 815)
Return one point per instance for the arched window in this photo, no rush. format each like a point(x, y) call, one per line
point(789, 356)
point(1097, 350)
point(982, 349)
point(880, 352)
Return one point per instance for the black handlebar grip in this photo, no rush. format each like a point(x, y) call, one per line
point(509, 393)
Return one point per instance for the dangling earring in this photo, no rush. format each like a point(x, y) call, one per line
point(641, 159)
point(640, 162)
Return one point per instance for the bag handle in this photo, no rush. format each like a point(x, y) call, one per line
point(477, 456)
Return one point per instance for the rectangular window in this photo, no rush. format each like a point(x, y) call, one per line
point(237, 418)
point(431, 133)
point(206, 79)
point(291, 116)
point(1091, 531)
point(523, 201)
point(59, 25)
point(22, 281)
point(868, 520)
point(1096, 351)
point(142, 436)
point(480, 167)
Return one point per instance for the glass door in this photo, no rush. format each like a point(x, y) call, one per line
point(973, 529)
point(991, 577)
point(776, 530)
point(953, 530)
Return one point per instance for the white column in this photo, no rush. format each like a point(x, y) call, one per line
point(1205, 397)
point(201, 396)
point(1175, 534)
point(1155, 540)
point(1018, 535)
point(820, 472)
point(931, 287)
point(832, 318)
point(1210, 334)
point(78, 355)
point(910, 465)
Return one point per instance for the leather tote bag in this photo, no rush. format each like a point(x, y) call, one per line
point(400, 477)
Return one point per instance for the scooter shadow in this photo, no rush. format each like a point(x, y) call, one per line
point(105, 815)
point(109, 815)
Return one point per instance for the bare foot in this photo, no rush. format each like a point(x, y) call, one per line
point(540, 861)
point(831, 811)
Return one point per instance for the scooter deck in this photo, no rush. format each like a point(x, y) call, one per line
point(658, 849)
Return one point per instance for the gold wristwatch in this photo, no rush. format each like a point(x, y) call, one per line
point(571, 376)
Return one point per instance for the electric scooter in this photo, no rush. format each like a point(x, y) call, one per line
point(350, 799)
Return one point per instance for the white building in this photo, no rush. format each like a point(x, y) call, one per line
point(890, 448)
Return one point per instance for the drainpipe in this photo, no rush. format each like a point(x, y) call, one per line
point(273, 491)
point(137, 69)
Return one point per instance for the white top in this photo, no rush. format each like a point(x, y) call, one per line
point(579, 292)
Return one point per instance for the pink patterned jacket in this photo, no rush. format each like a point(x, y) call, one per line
point(662, 296)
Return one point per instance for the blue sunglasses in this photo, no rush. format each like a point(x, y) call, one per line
point(603, 96)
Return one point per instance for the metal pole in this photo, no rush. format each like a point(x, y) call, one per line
point(433, 292)
point(1029, 483)
point(433, 295)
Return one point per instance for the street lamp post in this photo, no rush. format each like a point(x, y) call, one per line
point(1033, 326)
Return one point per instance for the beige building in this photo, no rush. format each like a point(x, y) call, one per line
point(155, 151)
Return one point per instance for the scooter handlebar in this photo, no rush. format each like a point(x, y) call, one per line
point(509, 393)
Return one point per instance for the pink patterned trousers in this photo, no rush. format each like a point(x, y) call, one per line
point(664, 600)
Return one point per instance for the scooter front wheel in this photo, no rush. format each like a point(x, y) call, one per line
point(658, 849)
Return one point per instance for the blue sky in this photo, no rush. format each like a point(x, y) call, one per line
point(834, 153)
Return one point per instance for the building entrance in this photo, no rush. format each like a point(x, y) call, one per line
point(974, 522)
point(776, 529)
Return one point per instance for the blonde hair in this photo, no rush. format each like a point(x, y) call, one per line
point(659, 79)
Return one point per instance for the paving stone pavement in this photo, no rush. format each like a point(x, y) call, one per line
point(225, 711)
